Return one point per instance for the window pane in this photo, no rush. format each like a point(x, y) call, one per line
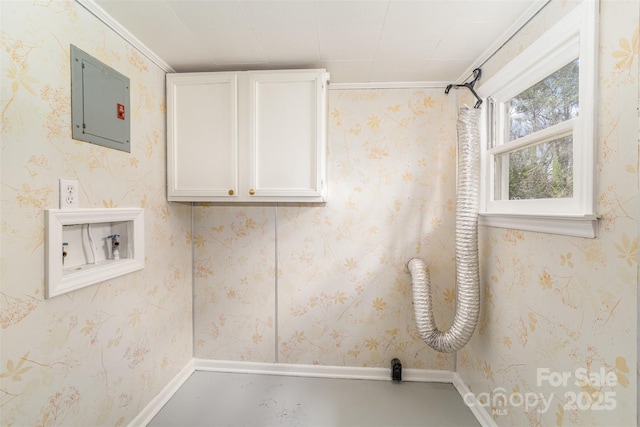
point(544, 171)
point(550, 101)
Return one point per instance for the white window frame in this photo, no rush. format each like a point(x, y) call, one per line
point(574, 36)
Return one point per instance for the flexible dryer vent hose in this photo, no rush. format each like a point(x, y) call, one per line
point(467, 266)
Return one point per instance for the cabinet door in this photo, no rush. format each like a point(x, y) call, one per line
point(286, 136)
point(202, 136)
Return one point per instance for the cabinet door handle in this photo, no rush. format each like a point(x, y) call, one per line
point(252, 192)
point(231, 192)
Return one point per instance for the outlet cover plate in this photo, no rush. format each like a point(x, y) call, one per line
point(69, 194)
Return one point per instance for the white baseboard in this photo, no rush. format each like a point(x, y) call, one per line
point(320, 371)
point(312, 371)
point(148, 412)
point(478, 410)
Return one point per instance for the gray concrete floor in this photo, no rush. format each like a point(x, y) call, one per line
point(230, 399)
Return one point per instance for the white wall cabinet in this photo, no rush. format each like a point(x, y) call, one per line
point(251, 136)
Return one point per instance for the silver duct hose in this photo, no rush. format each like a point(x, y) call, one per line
point(467, 266)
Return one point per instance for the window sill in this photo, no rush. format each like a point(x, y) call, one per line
point(577, 226)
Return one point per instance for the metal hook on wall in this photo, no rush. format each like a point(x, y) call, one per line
point(469, 85)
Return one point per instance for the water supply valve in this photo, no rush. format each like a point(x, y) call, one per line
point(65, 251)
point(115, 246)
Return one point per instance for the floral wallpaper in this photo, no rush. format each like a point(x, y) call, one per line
point(96, 356)
point(553, 306)
point(311, 284)
point(341, 295)
point(556, 343)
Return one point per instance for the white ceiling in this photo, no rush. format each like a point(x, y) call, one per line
point(356, 41)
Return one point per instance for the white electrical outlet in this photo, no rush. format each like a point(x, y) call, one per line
point(69, 194)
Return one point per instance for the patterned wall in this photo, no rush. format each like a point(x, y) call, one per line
point(564, 305)
point(343, 291)
point(340, 293)
point(98, 355)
